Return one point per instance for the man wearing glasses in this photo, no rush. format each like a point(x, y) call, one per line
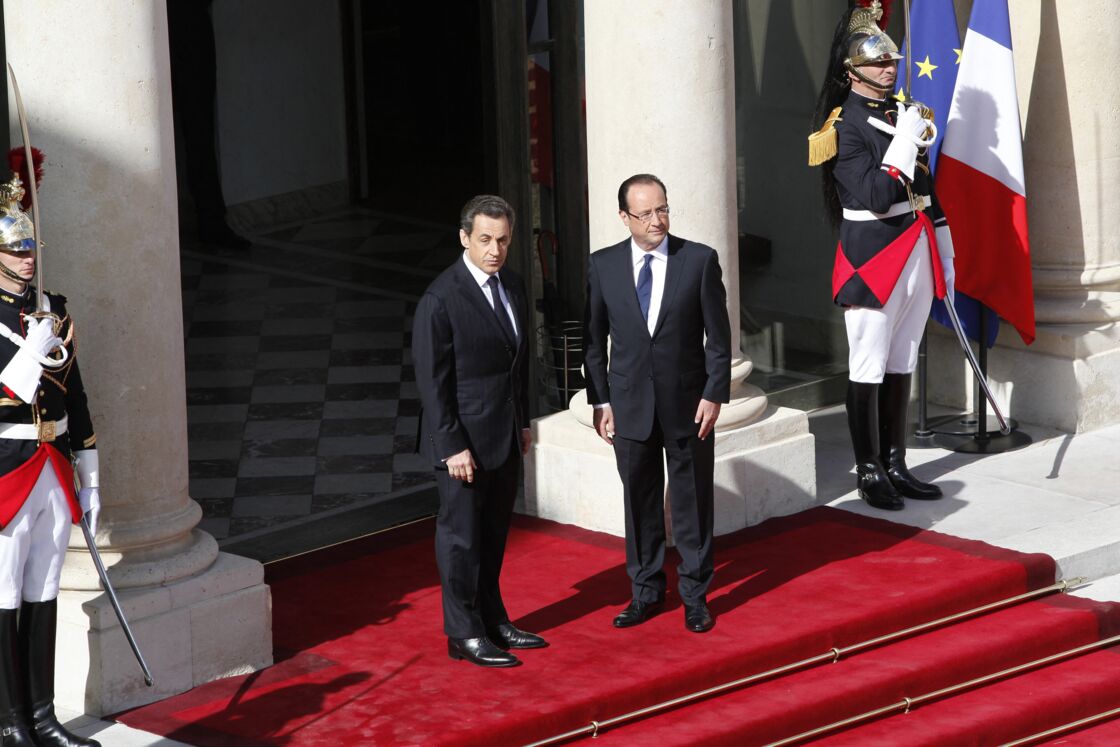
point(660, 300)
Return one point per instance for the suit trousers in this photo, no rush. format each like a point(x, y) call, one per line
point(471, 532)
point(691, 463)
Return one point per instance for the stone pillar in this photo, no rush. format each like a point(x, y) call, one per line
point(96, 84)
point(1070, 377)
point(660, 99)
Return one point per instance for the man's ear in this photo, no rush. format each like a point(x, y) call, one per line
point(623, 215)
point(464, 239)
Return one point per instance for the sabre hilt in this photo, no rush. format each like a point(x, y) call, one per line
point(61, 354)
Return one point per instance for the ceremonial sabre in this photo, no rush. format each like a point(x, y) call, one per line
point(104, 575)
point(962, 338)
point(33, 190)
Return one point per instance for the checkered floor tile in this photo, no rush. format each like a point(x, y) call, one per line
point(300, 393)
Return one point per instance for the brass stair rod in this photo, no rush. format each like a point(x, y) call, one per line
point(383, 530)
point(1065, 728)
point(907, 704)
point(832, 655)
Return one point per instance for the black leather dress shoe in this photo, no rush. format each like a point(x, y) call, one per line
point(636, 613)
point(698, 618)
point(506, 635)
point(480, 651)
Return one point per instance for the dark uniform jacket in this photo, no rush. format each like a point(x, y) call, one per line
point(862, 184)
point(688, 356)
point(60, 391)
point(473, 379)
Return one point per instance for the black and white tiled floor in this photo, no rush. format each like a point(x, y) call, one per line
point(300, 394)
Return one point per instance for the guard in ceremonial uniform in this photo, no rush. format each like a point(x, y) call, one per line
point(895, 252)
point(46, 439)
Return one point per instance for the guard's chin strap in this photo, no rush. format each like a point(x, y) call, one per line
point(11, 275)
point(873, 83)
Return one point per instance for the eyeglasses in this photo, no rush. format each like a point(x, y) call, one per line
point(647, 216)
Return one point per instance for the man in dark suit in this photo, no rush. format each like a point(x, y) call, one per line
point(471, 360)
point(661, 301)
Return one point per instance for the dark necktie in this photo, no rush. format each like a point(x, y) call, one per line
point(645, 286)
point(500, 310)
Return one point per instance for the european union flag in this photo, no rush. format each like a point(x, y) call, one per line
point(934, 57)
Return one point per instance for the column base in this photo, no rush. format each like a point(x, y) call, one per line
point(215, 624)
point(764, 469)
point(1068, 379)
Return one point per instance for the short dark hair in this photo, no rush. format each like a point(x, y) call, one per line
point(491, 206)
point(637, 179)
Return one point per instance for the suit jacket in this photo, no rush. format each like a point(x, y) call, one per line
point(667, 373)
point(862, 184)
point(473, 380)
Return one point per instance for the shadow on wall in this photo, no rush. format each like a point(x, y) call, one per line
point(1053, 204)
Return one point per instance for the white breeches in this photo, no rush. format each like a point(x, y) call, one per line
point(886, 340)
point(33, 545)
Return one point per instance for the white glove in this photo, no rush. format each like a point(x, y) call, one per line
point(41, 336)
point(910, 133)
point(945, 250)
point(23, 371)
point(922, 132)
point(90, 501)
point(950, 276)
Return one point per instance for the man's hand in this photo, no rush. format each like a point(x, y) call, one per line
point(461, 466)
point(706, 414)
point(526, 441)
point(603, 420)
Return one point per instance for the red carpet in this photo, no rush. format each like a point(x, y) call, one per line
point(361, 658)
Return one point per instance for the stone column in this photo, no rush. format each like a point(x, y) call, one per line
point(96, 84)
point(1070, 377)
point(1071, 152)
point(661, 99)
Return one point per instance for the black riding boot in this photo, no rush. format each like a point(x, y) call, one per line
point(863, 420)
point(38, 623)
point(894, 399)
point(14, 731)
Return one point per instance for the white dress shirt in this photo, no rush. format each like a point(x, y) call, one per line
point(660, 255)
point(482, 279)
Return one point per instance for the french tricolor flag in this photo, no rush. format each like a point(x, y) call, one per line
point(980, 180)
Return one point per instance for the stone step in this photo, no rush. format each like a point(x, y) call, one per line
point(1105, 589)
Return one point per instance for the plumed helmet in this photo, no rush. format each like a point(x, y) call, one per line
point(867, 43)
point(17, 231)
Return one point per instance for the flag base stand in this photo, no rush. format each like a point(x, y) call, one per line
point(963, 434)
point(984, 442)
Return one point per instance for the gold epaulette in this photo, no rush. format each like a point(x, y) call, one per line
point(823, 142)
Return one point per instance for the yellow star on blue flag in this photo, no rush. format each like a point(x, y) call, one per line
point(926, 68)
